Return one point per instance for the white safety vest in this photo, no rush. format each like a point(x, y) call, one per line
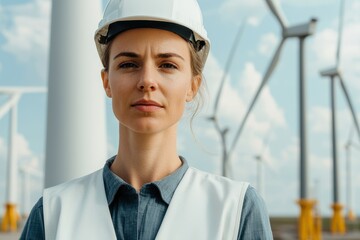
point(203, 207)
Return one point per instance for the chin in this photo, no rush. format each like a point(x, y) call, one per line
point(149, 126)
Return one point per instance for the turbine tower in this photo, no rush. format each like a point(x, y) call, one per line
point(259, 174)
point(76, 132)
point(349, 144)
point(11, 215)
point(260, 162)
point(301, 32)
point(28, 172)
point(337, 220)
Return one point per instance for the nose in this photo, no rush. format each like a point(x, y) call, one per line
point(147, 82)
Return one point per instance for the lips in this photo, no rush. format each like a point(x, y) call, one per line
point(147, 105)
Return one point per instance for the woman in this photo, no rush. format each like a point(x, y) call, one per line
point(153, 52)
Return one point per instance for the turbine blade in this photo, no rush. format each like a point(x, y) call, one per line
point(350, 104)
point(9, 104)
point(341, 22)
point(267, 75)
point(228, 64)
point(13, 90)
point(277, 11)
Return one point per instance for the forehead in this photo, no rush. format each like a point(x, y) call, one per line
point(156, 40)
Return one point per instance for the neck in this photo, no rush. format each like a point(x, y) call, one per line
point(144, 158)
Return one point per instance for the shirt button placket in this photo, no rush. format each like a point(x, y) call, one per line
point(131, 221)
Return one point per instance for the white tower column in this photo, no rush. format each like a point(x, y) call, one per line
point(76, 132)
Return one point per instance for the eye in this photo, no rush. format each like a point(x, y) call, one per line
point(126, 65)
point(168, 66)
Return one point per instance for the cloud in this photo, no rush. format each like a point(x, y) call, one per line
point(28, 160)
point(267, 43)
point(24, 154)
point(22, 147)
point(236, 97)
point(289, 152)
point(231, 10)
point(319, 119)
point(325, 44)
point(26, 31)
point(321, 165)
point(269, 111)
point(324, 48)
point(233, 104)
point(253, 21)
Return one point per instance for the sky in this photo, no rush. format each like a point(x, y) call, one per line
point(272, 130)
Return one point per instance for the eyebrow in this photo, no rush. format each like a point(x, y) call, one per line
point(127, 54)
point(169, 55)
point(135, 55)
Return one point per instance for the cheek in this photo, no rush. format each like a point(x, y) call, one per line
point(180, 94)
point(120, 93)
point(119, 85)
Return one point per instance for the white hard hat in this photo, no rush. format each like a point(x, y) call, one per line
point(182, 17)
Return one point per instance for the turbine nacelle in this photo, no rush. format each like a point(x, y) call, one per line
point(301, 30)
point(332, 72)
point(258, 158)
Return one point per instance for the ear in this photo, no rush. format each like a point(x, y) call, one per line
point(195, 84)
point(105, 80)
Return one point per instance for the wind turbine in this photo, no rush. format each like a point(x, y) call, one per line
point(337, 221)
point(11, 215)
point(260, 161)
point(301, 32)
point(214, 118)
point(28, 172)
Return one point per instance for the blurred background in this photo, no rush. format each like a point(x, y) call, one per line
point(267, 152)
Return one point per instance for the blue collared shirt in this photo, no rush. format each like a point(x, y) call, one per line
point(138, 215)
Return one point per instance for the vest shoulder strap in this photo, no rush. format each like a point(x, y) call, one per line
point(78, 209)
point(204, 206)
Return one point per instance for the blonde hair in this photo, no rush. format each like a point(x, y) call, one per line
point(197, 70)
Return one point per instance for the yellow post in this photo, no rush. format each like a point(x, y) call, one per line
point(306, 221)
point(10, 219)
point(317, 227)
point(337, 220)
point(351, 215)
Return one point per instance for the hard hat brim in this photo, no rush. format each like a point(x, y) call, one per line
point(122, 26)
point(105, 34)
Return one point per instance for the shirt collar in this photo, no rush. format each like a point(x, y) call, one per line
point(166, 186)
